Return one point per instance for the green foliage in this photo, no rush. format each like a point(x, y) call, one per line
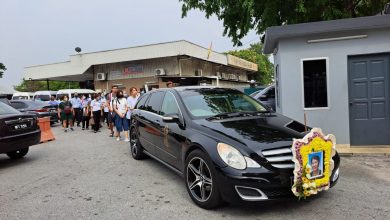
point(264, 75)
point(33, 86)
point(2, 69)
point(240, 16)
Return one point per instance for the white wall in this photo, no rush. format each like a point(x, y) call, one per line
point(335, 119)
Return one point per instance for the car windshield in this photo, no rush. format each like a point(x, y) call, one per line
point(42, 97)
point(212, 102)
point(19, 97)
point(6, 109)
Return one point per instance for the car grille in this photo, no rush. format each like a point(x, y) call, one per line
point(280, 157)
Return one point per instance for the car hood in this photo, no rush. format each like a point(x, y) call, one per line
point(258, 132)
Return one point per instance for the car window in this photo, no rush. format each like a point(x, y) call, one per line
point(141, 102)
point(6, 109)
point(154, 103)
point(169, 105)
point(18, 105)
point(271, 93)
point(42, 97)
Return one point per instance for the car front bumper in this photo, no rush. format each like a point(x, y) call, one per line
point(258, 184)
point(19, 141)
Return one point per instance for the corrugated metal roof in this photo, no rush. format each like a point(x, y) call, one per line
point(274, 34)
point(79, 63)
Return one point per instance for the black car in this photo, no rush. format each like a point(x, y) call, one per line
point(17, 132)
point(266, 96)
point(226, 145)
point(41, 109)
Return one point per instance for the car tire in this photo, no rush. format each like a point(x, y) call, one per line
point(18, 153)
point(135, 146)
point(200, 180)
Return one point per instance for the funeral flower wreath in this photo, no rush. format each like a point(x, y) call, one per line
point(315, 141)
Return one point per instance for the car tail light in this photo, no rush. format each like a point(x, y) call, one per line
point(41, 110)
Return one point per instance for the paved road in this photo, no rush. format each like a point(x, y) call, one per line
point(82, 175)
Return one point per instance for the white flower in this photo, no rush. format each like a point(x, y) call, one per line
point(305, 185)
point(313, 184)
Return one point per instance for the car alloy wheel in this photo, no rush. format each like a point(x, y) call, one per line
point(199, 179)
point(135, 146)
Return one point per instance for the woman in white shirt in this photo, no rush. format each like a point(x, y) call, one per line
point(96, 112)
point(120, 107)
point(131, 101)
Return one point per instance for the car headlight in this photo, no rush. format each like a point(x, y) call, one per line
point(233, 158)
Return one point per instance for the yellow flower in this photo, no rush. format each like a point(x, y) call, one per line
point(313, 184)
point(308, 169)
point(305, 180)
point(306, 193)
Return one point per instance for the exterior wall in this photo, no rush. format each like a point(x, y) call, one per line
point(172, 67)
point(127, 83)
point(334, 119)
point(188, 67)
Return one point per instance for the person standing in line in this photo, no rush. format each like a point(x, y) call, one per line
point(119, 106)
point(111, 115)
point(52, 101)
point(131, 101)
point(169, 84)
point(106, 111)
point(77, 106)
point(96, 112)
point(66, 113)
point(86, 115)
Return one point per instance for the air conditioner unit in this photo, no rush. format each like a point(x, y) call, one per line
point(160, 72)
point(198, 72)
point(101, 76)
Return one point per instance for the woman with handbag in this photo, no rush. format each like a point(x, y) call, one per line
point(120, 107)
point(96, 107)
point(66, 113)
point(86, 113)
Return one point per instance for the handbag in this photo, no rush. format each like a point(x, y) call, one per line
point(91, 121)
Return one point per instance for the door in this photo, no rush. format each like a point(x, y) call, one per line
point(172, 132)
point(369, 99)
point(152, 120)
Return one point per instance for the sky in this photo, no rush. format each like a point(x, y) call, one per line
point(46, 31)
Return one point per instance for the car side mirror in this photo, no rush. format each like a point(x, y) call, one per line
point(171, 118)
point(263, 97)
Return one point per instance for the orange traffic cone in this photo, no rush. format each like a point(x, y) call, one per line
point(46, 133)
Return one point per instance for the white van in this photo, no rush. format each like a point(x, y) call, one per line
point(70, 93)
point(23, 96)
point(44, 95)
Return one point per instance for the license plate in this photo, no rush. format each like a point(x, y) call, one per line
point(19, 126)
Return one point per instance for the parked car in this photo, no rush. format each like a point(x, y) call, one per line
point(23, 96)
point(39, 108)
point(266, 96)
point(44, 96)
point(216, 138)
point(5, 100)
point(18, 132)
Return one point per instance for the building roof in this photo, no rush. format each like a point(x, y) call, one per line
point(276, 33)
point(77, 69)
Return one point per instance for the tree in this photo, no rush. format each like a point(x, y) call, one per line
point(264, 75)
point(2, 69)
point(33, 86)
point(240, 16)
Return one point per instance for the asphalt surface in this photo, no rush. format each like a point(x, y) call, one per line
point(82, 175)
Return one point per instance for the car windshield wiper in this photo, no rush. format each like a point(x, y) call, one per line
point(236, 114)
